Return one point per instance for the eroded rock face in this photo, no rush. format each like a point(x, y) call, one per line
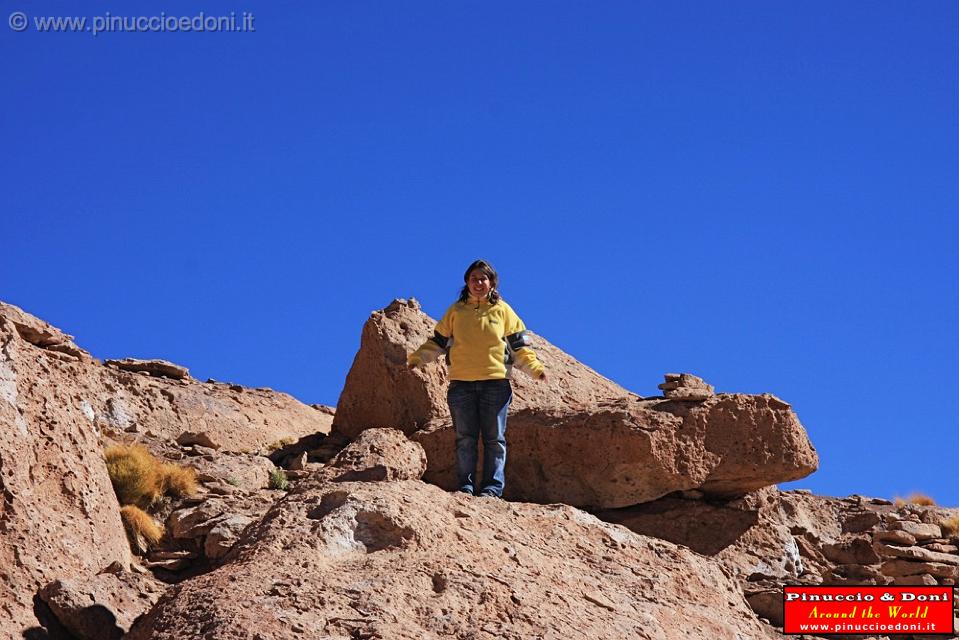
point(158, 368)
point(381, 392)
point(58, 513)
point(407, 560)
point(104, 606)
point(379, 454)
point(768, 532)
point(59, 517)
point(630, 451)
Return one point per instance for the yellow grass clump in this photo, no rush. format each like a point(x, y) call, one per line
point(920, 499)
point(178, 481)
point(951, 526)
point(140, 479)
point(134, 473)
point(142, 530)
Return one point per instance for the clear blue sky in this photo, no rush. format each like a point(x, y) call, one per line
point(762, 193)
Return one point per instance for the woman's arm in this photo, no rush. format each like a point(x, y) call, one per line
point(519, 342)
point(436, 346)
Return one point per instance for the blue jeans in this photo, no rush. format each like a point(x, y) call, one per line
point(480, 407)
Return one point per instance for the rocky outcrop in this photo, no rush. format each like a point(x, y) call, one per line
point(629, 451)
point(582, 440)
point(769, 538)
point(405, 559)
point(381, 392)
point(59, 517)
point(58, 514)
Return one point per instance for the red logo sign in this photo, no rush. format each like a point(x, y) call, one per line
point(868, 610)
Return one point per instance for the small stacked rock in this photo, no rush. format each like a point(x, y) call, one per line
point(686, 386)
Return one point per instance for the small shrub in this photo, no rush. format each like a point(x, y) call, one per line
point(278, 479)
point(134, 474)
point(920, 499)
point(232, 481)
point(178, 481)
point(951, 526)
point(142, 530)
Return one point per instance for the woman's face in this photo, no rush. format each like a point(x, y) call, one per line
point(479, 283)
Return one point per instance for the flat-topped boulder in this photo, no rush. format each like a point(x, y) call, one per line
point(629, 451)
point(380, 391)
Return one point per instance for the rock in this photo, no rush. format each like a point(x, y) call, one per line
point(897, 568)
point(750, 535)
point(855, 574)
point(857, 550)
point(895, 536)
point(768, 604)
point(224, 535)
point(920, 580)
point(200, 438)
point(159, 368)
point(298, 462)
point(58, 512)
point(941, 548)
point(381, 392)
point(168, 564)
point(686, 386)
point(195, 522)
point(919, 531)
point(858, 522)
point(104, 606)
point(630, 451)
point(394, 560)
point(379, 454)
point(915, 553)
point(38, 333)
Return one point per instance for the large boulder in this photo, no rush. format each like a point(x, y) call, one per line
point(628, 451)
point(103, 606)
point(381, 392)
point(405, 559)
point(58, 513)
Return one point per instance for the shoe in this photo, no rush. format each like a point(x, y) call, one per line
point(488, 494)
point(468, 492)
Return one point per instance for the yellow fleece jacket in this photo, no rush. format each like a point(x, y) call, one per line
point(482, 342)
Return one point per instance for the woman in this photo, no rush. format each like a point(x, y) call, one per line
point(483, 339)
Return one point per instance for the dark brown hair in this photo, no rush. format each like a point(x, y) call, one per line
point(488, 269)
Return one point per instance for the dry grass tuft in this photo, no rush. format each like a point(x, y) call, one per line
point(178, 481)
point(951, 526)
point(140, 479)
point(134, 474)
point(279, 444)
point(920, 499)
point(142, 530)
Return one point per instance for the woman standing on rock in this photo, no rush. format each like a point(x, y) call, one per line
point(483, 339)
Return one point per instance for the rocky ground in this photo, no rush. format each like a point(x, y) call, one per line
point(625, 517)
